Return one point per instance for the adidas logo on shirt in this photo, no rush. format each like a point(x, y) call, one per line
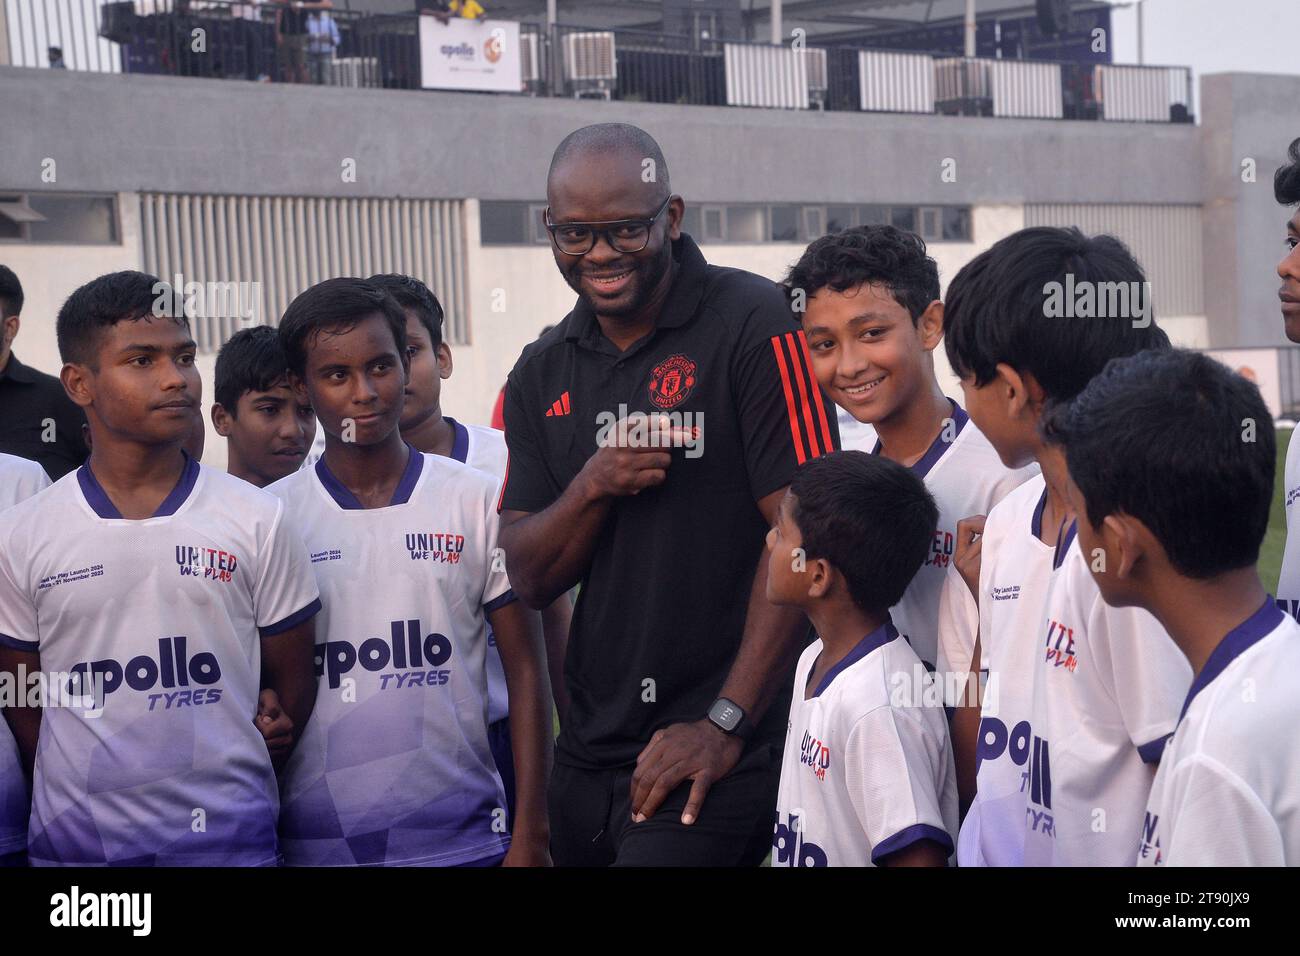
point(559, 407)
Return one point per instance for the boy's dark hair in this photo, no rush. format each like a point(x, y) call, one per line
point(106, 301)
point(866, 254)
point(11, 293)
point(1183, 444)
point(250, 361)
point(870, 517)
point(413, 294)
point(337, 305)
point(1286, 181)
point(995, 311)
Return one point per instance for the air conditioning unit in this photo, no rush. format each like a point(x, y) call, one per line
point(814, 60)
point(530, 59)
point(589, 56)
point(815, 63)
point(358, 71)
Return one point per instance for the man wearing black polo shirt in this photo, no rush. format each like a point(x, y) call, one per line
point(37, 419)
point(671, 751)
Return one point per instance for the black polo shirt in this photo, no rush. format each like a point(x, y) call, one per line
point(662, 607)
point(33, 407)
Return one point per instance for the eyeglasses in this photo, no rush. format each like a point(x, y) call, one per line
point(622, 235)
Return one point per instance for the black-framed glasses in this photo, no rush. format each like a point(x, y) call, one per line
point(622, 235)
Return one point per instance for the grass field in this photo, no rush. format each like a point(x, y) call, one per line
point(1270, 556)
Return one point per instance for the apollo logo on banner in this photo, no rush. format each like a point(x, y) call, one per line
point(470, 55)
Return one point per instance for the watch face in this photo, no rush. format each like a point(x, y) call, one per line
point(725, 714)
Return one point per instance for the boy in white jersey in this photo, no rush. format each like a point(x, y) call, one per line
point(867, 776)
point(167, 594)
point(19, 478)
point(425, 427)
point(395, 768)
point(872, 318)
point(1012, 359)
point(1286, 189)
point(1150, 489)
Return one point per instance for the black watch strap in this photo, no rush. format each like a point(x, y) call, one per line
point(730, 718)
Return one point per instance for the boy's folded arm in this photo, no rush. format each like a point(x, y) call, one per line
point(288, 669)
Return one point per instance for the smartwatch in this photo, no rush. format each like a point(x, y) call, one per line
point(729, 717)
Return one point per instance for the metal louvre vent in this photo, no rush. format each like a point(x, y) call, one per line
point(1165, 239)
point(251, 255)
point(590, 56)
point(773, 76)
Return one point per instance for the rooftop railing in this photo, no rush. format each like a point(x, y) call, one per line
point(252, 41)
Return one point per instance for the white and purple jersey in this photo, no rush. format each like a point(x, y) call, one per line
point(159, 622)
point(20, 478)
point(966, 477)
point(1015, 573)
point(1288, 582)
point(1108, 683)
point(394, 767)
point(485, 449)
point(867, 768)
point(1228, 789)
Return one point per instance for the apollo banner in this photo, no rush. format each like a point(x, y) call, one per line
point(470, 55)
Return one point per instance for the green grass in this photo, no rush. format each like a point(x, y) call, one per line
point(1270, 556)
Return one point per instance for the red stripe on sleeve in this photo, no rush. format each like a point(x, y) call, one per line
point(817, 396)
point(800, 457)
point(800, 379)
point(501, 498)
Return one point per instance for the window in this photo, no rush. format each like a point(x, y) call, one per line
point(839, 218)
point(931, 218)
point(785, 224)
point(873, 216)
point(67, 218)
point(956, 224)
point(520, 222)
point(715, 224)
point(503, 223)
point(746, 223)
point(814, 222)
point(904, 217)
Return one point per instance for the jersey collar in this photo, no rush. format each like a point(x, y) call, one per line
point(1063, 543)
point(876, 639)
point(103, 506)
point(460, 443)
point(1235, 643)
point(346, 500)
point(921, 467)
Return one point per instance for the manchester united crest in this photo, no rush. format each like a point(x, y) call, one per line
point(672, 381)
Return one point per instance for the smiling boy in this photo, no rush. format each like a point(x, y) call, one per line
point(872, 317)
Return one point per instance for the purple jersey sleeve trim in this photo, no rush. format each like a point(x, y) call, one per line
point(500, 601)
point(293, 620)
point(905, 838)
point(14, 643)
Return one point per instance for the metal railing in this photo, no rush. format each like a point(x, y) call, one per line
point(231, 40)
